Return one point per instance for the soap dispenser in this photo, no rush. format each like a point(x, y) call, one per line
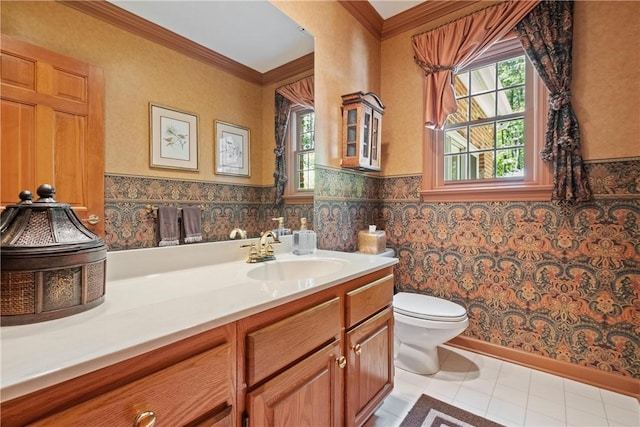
point(281, 230)
point(304, 241)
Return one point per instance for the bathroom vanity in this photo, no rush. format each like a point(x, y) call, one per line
point(302, 340)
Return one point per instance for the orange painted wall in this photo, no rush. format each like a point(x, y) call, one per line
point(137, 72)
point(347, 59)
point(606, 86)
point(606, 77)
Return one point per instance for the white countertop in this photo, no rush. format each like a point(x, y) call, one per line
point(155, 297)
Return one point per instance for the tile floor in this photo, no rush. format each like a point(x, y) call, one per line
point(508, 394)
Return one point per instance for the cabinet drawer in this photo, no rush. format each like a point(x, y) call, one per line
point(273, 347)
point(368, 299)
point(177, 395)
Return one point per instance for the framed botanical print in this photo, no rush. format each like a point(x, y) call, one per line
point(174, 138)
point(232, 150)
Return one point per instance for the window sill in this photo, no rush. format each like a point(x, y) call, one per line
point(298, 199)
point(507, 193)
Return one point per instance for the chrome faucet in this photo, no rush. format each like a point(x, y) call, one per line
point(265, 251)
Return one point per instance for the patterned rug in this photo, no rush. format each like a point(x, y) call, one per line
point(430, 412)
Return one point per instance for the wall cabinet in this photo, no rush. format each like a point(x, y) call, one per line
point(361, 131)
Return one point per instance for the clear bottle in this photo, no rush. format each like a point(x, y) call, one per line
point(281, 230)
point(304, 241)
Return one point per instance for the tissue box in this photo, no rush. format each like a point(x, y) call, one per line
point(372, 242)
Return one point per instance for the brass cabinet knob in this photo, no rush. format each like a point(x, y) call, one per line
point(342, 362)
point(145, 419)
point(357, 349)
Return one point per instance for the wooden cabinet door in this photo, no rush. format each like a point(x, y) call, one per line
point(52, 129)
point(369, 376)
point(309, 394)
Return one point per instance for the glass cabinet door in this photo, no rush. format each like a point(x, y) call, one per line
point(361, 128)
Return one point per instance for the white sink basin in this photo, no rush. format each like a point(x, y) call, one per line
point(294, 269)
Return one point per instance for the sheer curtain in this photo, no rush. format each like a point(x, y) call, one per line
point(301, 93)
point(546, 35)
point(441, 51)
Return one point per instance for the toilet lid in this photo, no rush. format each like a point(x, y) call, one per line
point(428, 307)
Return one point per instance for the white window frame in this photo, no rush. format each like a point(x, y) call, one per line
point(292, 193)
point(535, 185)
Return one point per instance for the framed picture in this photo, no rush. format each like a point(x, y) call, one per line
point(232, 150)
point(174, 138)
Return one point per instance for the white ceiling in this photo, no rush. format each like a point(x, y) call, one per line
point(252, 32)
point(389, 8)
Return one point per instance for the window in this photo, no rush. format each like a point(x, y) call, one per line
point(301, 148)
point(488, 149)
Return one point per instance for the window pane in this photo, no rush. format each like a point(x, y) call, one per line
point(483, 106)
point(304, 158)
point(455, 167)
point(306, 122)
point(455, 140)
point(474, 167)
point(462, 113)
point(482, 137)
point(510, 133)
point(483, 79)
point(486, 165)
point(305, 170)
point(511, 101)
point(462, 84)
point(510, 162)
point(306, 141)
point(511, 72)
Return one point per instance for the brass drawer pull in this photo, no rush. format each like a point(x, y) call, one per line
point(342, 362)
point(145, 419)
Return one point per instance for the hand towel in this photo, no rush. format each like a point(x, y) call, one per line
point(191, 216)
point(168, 226)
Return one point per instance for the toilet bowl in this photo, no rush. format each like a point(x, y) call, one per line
point(422, 323)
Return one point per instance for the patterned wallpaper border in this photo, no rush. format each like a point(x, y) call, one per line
point(550, 279)
point(557, 281)
point(129, 224)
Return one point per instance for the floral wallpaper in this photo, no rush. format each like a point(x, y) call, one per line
point(545, 278)
point(131, 223)
point(549, 279)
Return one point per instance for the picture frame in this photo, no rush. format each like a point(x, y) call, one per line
point(232, 150)
point(173, 138)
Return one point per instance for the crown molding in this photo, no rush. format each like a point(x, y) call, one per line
point(366, 14)
point(114, 15)
point(290, 69)
point(418, 15)
point(421, 14)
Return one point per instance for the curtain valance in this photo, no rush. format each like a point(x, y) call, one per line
point(300, 92)
point(441, 51)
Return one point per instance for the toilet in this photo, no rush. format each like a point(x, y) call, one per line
point(422, 323)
